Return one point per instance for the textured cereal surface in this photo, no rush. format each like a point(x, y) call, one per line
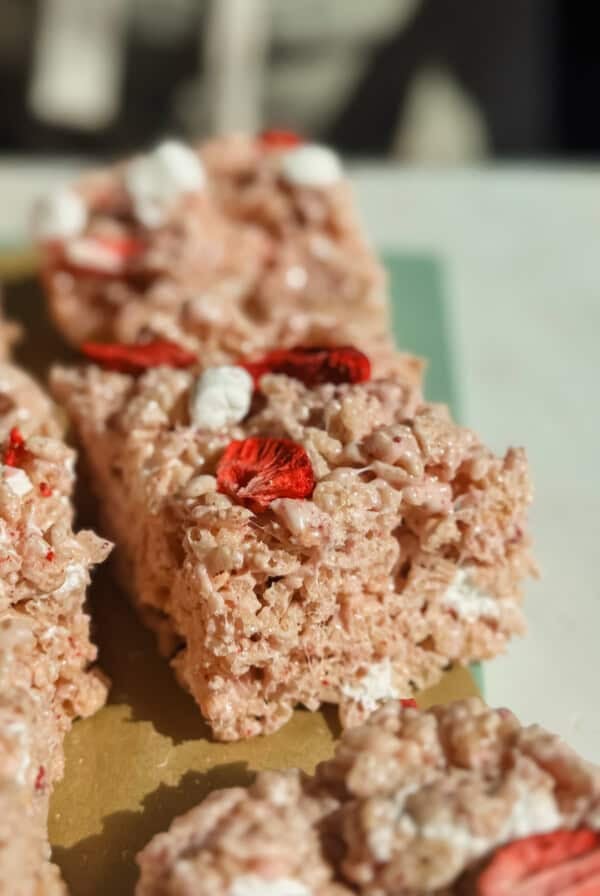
point(238, 839)
point(46, 678)
point(410, 804)
point(425, 795)
point(246, 263)
point(408, 555)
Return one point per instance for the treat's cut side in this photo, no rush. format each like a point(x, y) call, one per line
point(47, 677)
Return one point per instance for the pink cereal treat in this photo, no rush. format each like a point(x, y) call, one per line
point(229, 246)
point(47, 676)
point(298, 545)
point(262, 841)
point(456, 801)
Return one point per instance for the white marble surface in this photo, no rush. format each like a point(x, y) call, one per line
point(522, 267)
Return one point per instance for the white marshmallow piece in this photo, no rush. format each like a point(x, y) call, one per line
point(376, 686)
point(60, 215)
point(220, 397)
point(311, 165)
point(468, 601)
point(17, 480)
point(253, 885)
point(157, 180)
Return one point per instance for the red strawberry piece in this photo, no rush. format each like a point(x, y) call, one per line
point(40, 778)
point(409, 703)
point(134, 358)
point(258, 470)
point(45, 490)
point(577, 877)
point(14, 453)
point(537, 865)
point(279, 138)
point(313, 365)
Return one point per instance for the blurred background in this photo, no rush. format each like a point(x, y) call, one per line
point(431, 80)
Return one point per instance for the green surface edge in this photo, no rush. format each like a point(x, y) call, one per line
point(422, 324)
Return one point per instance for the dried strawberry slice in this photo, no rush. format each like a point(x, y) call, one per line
point(577, 877)
point(313, 365)
point(544, 865)
point(15, 451)
point(134, 358)
point(258, 470)
point(279, 138)
point(409, 703)
point(40, 779)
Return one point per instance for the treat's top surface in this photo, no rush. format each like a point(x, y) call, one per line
point(374, 444)
point(61, 214)
point(234, 246)
point(426, 795)
point(157, 180)
point(236, 175)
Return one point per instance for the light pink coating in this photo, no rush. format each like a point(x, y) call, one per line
point(46, 656)
point(340, 598)
point(425, 795)
point(246, 263)
point(265, 834)
point(410, 805)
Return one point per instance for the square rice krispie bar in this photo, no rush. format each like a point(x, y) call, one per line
point(46, 676)
point(298, 533)
point(233, 246)
point(457, 801)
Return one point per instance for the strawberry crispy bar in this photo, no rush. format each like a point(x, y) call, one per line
point(46, 678)
point(296, 532)
point(235, 246)
point(457, 801)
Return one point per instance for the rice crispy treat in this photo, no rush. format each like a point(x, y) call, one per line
point(46, 657)
point(263, 841)
point(424, 797)
point(454, 801)
point(227, 246)
point(297, 544)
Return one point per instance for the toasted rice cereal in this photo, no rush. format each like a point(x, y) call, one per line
point(410, 805)
point(46, 656)
point(238, 260)
point(257, 842)
point(408, 556)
